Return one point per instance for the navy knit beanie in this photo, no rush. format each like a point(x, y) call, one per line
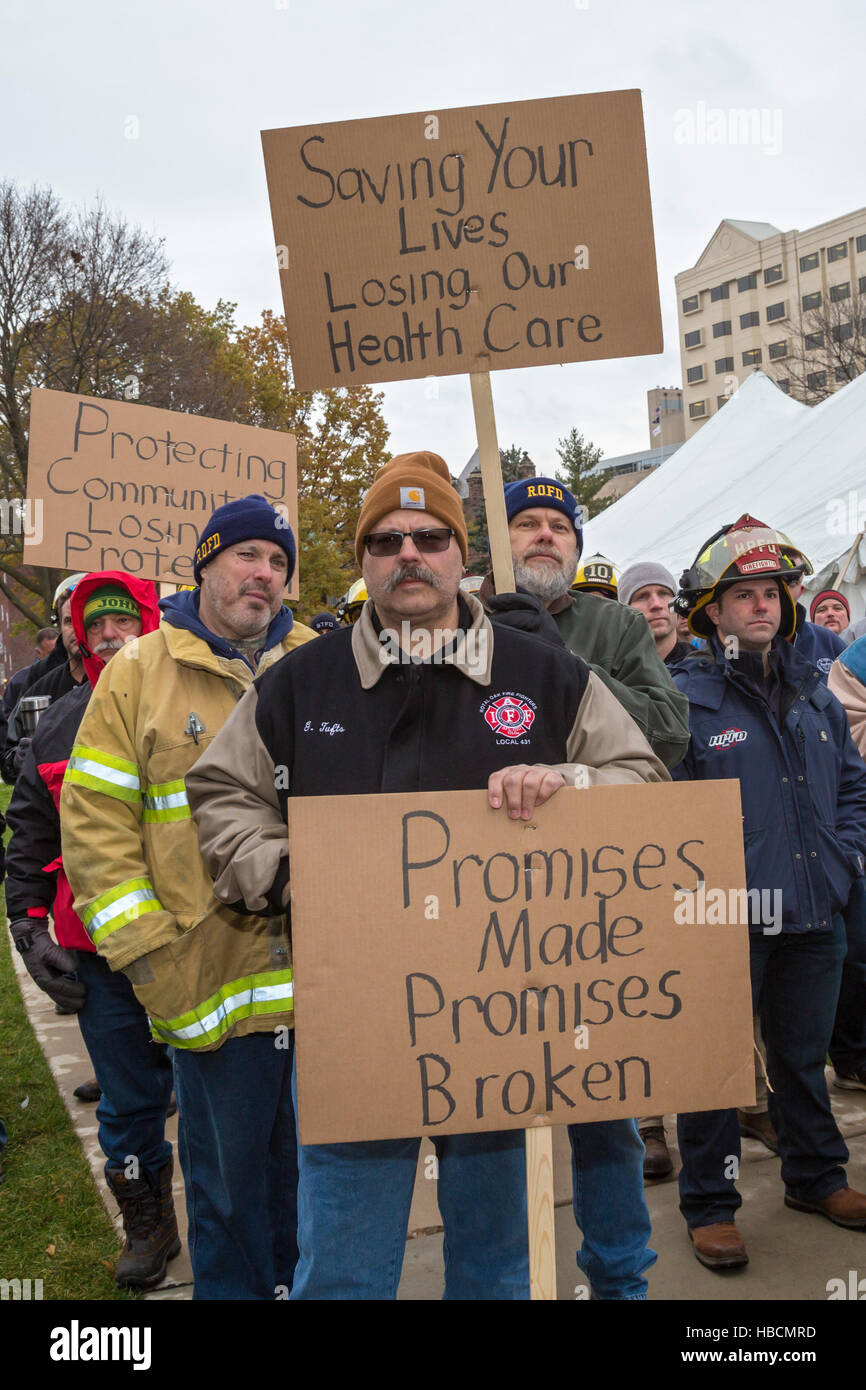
point(248, 519)
point(543, 492)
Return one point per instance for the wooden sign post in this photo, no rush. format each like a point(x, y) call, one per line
point(539, 1138)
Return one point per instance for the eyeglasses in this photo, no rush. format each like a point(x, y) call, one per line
point(431, 540)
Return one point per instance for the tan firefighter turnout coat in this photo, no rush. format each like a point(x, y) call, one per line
point(130, 849)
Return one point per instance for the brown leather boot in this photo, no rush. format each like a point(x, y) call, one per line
point(719, 1246)
point(657, 1161)
point(844, 1208)
point(150, 1226)
point(758, 1125)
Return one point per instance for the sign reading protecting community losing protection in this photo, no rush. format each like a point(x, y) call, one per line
point(465, 240)
point(476, 973)
point(130, 487)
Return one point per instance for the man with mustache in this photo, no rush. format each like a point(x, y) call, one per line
point(216, 986)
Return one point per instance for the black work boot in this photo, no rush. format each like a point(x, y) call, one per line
point(149, 1224)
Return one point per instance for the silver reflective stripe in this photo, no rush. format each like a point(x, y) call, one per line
point(119, 906)
point(105, 773)
point(228, 1006)
point(166, 803)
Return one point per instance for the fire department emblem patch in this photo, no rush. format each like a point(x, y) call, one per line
point(727, 738)
point(509, 715)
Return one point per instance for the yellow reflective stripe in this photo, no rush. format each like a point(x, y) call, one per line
point(252, 995)
point(119, 906)
point(101, 772)
point(166, 801)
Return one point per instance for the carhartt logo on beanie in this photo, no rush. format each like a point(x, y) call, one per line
point(412, 482)
point(248, 519)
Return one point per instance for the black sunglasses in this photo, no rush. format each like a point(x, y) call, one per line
point(431, 540)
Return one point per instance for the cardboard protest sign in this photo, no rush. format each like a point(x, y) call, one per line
point(130, 487)
point(465, 240)
point(469, 972)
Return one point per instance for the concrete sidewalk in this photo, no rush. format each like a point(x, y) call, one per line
point(792, 1255)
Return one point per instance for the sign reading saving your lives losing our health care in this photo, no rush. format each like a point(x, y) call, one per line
point(465, 240)
point(479, 973)
point(130, 487)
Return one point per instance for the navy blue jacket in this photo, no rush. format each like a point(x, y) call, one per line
point(802, 781)
point(818, 645)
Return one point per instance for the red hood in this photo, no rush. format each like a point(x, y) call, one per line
point(143, 591)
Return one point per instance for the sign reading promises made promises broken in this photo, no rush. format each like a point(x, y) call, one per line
point(465, 240)
point(477, 973)
point(131, 487)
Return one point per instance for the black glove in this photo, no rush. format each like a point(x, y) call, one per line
point(21, 753)
point(525, 612)
point(47, 964)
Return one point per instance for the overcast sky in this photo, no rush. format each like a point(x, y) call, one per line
point(203, 77)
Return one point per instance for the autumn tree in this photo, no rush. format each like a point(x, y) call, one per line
point(342, 439)
point(580, 473)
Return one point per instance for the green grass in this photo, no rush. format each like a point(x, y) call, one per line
point(49, 1198)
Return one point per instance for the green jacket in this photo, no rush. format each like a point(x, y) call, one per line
point(617, 644)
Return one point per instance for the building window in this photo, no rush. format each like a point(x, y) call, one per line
point(840, 292)
point(775, 311)
point(840, 376)
point(748, 282)
point(722, 400)
point(720, 292)
point(724, 364)
point(861, 284)
point(815, 380)
point(785, 386)
point(697, 410)
point(722, 329)
point(693, 339)
point(778, 350)
point(861, 243)
point(841, 332)
point(809, 262)
point(695, 374)
point(812, 301)
point(772, 274)
point(814, 341)
point(691, 304)
point(752, 357)
point(750, 320)
point(838, 252)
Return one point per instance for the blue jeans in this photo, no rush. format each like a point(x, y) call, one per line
point(238, 1151)
point(610, 1208)
point(795, 986)
point(353, 1212)
point(848, 1043)
point(133, 1071)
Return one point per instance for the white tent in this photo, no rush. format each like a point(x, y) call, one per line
point(797, 468)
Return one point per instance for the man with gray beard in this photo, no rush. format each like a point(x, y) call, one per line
point(544, 524)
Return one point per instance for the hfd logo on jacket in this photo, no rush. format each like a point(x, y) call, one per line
point(727, 738)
